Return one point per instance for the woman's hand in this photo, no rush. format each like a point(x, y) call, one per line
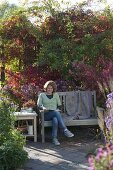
point(44, 109)
point(58, 110)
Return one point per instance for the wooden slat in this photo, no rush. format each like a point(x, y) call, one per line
point(75, 122)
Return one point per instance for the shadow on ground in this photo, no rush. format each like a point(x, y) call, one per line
point(72, 154)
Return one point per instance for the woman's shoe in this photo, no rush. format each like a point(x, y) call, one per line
point(68, 133)
point(56, 142)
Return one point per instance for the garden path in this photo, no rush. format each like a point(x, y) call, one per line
point(72, 154)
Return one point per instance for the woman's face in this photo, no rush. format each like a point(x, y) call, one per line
point(49, 89)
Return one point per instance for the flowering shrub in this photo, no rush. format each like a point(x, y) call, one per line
point(29, 91)
point(103, 159)
point(109, 118)
point(109, 101)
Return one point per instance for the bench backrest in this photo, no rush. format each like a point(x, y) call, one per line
point(62, 96)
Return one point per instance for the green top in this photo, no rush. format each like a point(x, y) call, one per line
point(49, 104)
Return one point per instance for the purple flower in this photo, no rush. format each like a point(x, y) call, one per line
point(100, 150)
point(104, 156)
point(110, 95)
point(109, 101)
point(111, 147)
point(111, 163)
point(91, 168)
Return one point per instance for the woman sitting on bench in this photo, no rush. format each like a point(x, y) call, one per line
point(50, 102)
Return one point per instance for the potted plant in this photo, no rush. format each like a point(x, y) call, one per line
point(29, 105)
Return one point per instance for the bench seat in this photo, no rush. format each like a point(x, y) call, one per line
point(91, 121)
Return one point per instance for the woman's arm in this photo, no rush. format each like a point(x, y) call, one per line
point(40, 102)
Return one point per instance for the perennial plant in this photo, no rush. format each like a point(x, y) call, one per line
point(104, 156)
point(12, 153)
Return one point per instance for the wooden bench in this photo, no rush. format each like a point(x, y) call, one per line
point(68, 122)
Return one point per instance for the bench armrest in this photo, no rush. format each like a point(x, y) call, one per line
point(101, 116)
point(42, 115)
point(100, 112)
point(100, 108)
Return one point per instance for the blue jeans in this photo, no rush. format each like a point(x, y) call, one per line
point(56, 119)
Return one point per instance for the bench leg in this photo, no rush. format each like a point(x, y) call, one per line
point(43, 134)
point(35, 130)
point(42, 128)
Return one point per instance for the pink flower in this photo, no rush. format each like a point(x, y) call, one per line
point(91, 160)
point(111, 163)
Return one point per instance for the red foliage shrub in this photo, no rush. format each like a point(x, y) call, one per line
point(98, 77)
point(26, 84)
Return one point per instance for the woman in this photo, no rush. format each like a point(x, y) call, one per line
point(50, 102)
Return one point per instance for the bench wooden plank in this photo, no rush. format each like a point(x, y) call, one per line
point(75, 122)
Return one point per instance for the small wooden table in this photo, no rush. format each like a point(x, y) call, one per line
point(28, 116)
